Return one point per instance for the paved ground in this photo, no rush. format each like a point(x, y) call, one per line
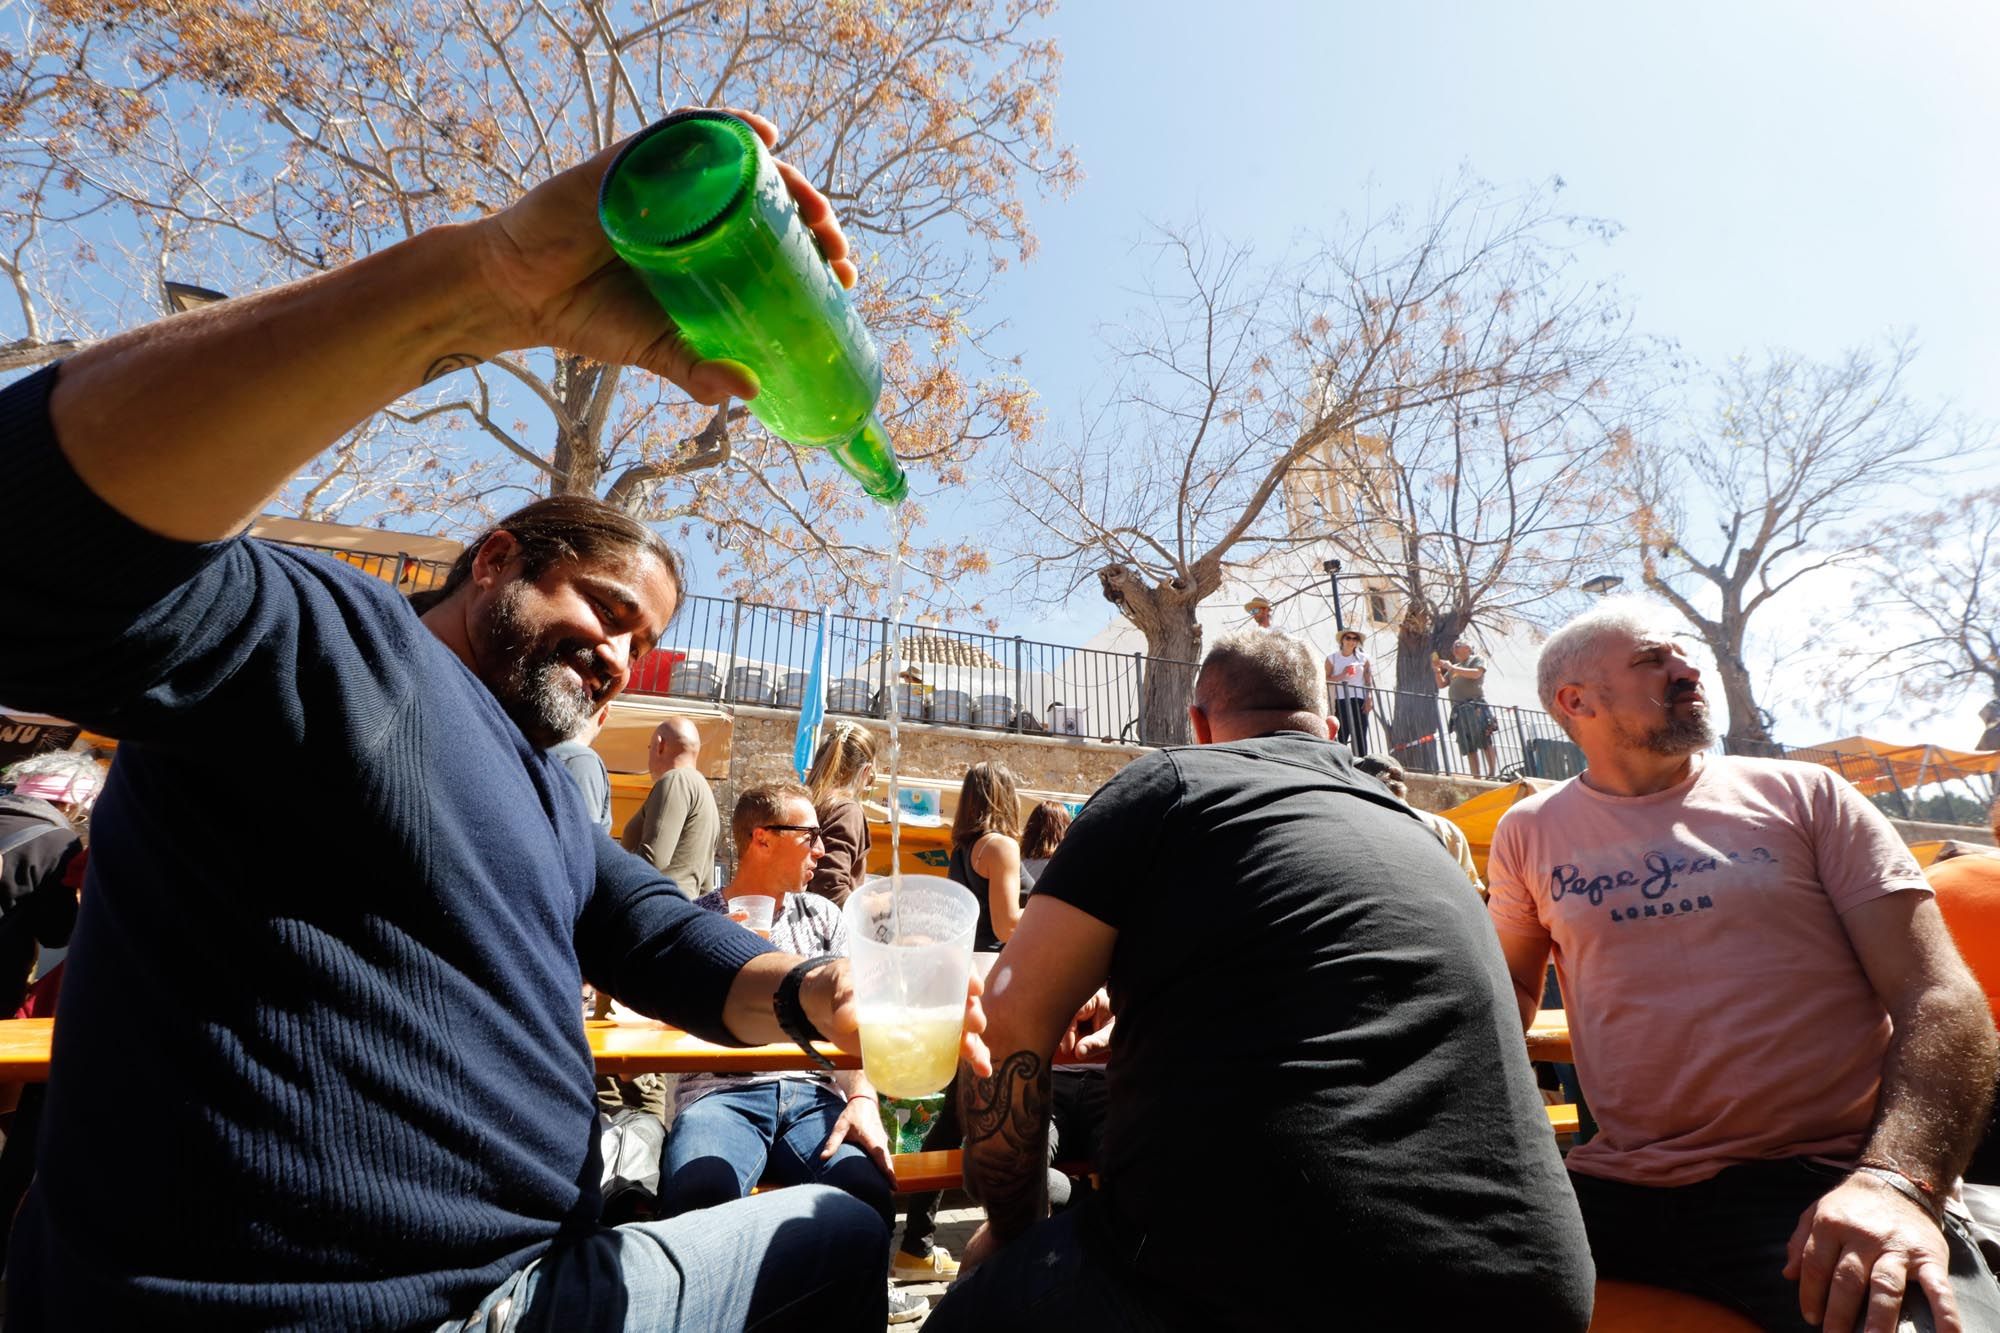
point(957, 1220)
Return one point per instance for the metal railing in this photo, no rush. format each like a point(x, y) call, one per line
point(405, 571)
point(1428, 733)
point(733, 651)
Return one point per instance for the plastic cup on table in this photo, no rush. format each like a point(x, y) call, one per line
point(754, 911)
point(910, 989)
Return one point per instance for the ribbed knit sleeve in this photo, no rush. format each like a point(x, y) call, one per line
point(332, 928)
point(658, 952)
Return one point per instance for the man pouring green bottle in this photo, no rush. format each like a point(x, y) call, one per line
point(380, 1114)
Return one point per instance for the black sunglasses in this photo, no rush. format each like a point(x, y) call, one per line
point(817, 834)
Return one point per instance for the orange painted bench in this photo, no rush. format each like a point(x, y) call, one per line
point(1628, 1307)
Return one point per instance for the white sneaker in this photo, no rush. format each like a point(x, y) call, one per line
point(906, 1307)
point(937, 1266)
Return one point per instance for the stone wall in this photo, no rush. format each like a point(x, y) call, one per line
point(762, 748)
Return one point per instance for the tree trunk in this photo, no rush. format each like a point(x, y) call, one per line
point(576, 461)
point(1164, 613)
point(1417, 721)
point(1747, 733)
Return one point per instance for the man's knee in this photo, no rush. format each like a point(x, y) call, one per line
point(701, 1182)
point(855, 1174)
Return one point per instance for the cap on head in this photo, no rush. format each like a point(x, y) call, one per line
point(1256, 604)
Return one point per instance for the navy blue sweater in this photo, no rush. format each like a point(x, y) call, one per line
point(320, 1058)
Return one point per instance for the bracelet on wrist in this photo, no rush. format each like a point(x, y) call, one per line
point(1917, 1190)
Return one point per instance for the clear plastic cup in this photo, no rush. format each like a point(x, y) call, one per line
point(754, 911)
point(910, 989)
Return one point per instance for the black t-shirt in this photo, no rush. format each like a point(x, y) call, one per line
point(1318, 1069)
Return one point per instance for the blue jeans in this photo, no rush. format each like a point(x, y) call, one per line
point(723, 1144)
point(804, 1259)
point(1059, 1277)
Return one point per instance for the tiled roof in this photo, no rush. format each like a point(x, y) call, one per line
point(941, 650)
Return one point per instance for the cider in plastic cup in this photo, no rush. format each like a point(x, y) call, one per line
point(910, 988)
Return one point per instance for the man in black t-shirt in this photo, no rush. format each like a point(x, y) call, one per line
point(1316, 1076)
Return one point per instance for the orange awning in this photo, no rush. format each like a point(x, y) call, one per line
point(1477, 817)
point(1876, 766)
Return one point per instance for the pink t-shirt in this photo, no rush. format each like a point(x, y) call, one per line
point(1717, 1010)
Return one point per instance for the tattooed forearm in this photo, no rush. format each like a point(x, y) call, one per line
point(1006, 1118)
point(444, 365)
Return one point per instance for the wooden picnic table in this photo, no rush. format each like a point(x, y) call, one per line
point(1548, 1038)
point(618, 1048)
point(654, 1048)
point(647, 1048)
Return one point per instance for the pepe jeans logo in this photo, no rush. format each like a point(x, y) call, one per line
point(1661, 880)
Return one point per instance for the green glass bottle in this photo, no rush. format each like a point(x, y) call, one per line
point(695, 205)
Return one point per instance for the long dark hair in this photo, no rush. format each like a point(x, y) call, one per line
point(562, 527)
point(1043, 832)
point(986, 804)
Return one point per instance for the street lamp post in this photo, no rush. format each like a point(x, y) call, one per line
point(1332, 568)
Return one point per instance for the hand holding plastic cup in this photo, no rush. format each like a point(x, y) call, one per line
point(910, 989)
point(754, 911)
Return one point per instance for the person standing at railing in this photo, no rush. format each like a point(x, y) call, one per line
point(1350, 684)
point(1463, 679)
point(842, 770)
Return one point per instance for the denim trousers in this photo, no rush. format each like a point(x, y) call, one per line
point(1062, 1276)
point(721, 1145)
point(1724, 1239)
point(809, 1259)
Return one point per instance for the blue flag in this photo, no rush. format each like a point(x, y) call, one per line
point(812, 710)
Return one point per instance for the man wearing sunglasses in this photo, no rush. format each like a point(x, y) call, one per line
point(732, 1130)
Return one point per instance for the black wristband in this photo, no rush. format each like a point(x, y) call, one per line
point(791, 1015)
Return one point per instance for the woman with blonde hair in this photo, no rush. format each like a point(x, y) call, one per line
point(986, 851)
point(843, 768)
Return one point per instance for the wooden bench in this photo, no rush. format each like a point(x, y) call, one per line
point(1628, 1307)
point(918, 1172)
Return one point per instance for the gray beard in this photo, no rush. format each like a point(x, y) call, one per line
point(1674, 737)
point(530, 686)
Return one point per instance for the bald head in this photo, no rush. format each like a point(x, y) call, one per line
point(1254, 683)
point(676, 744)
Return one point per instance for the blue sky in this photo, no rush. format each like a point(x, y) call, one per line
point(1786, 175)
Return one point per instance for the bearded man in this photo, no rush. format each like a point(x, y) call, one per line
point(1787, 1058)
point(368, 1097)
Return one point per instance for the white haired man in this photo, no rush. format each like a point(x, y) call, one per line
point(1788, 1061)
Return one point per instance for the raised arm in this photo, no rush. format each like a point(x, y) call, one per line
point(188, 427)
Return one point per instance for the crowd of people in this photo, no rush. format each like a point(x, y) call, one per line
point(367, 1096)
